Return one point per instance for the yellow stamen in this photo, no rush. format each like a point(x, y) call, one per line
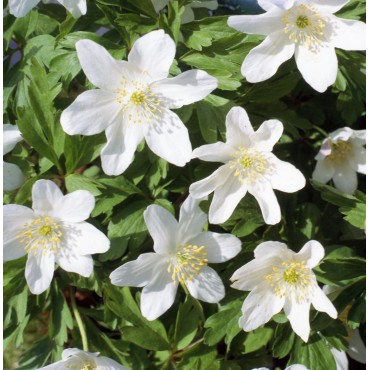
point(340, 150)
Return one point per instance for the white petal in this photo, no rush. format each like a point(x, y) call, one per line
point(238, 128)
point(357, 159)
point(105, 363)
point(137, 273)
point(191, 221)
point(162, 227)
point(186, 88)
point(45, 196)
point(216, 152)
point(319, 68)
point(203, 188)
point(154, 54)
point(267, 201)
point(75, 7)
point(329, 6)
point(84, 238)
point(219, 247)
point(12, 177)
point(252, 274)
point(19, 8)
point(261, 24)
point(169, 139)
point(348, 34)
point(75, 207)
point(11, 136)
point(99, 66)
point(207, 286)
point(270, 249)
point(263, 61)
point(158, 296)
point(345, 178)
point(324, 171)
point(322, 303)
point(298, 315)
point(287, 178)
point(70, 261)
point(266, 4)
point(340, 358)
point(297, 367)
point(14, 218)
point(356, 348)
point(312, 253)
point(226, 198)
point(39, 271)
point(283, 4)
point(258, 308)
point(267, 135)
point(73, 351)
point(91, 113)
point(118, 152)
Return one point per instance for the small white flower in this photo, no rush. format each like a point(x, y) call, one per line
point(12, 176)
point(53, 231)
point(188, 15)
point(306, 28)
point(134, 101)
point(291, 367)
point(75, 359)
point(341, 155)
point(279, 278)
point(182, 254)
point(19, 8)
point(249, 167)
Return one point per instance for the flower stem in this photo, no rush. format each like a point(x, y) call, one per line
point(319, 129)
point(80, 324)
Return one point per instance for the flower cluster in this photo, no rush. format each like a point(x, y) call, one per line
point(134, 100)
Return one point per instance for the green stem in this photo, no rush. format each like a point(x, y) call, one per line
point(80, 324)
point(196, 303)
point(319, 129)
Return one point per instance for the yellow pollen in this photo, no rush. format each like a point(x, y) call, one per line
point(89, 366)
point(139, 104)
point(340, 150)
point(40, 235)
point(305, 26)
point(291, 279)
point(249, 165)
point(137, 97)
point(187, 262)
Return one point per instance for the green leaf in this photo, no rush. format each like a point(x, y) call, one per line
point(344, 269)
point(257, 339)
point(283, 340)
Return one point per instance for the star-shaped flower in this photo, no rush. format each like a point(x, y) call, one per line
point(20, 8)
point(53, 231)
point(75, 359)
point(134, 101)
point(306, 28)
point(281, 279)
point(12, 177)
point(249, 166)
point(182, 254)
point(342, 154)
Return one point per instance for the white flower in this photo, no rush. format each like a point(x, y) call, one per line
point(249, 167)
point(188, 15)
point(279, 278)
point(75, 359)
point(182, 254)
point(19, 8)
point(53, 231)
point(12, 176)
point(291, 367)
point(341, 155)
point(134, 101)
point(306, 28)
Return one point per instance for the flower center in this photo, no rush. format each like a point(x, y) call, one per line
point(340, 150)
point(304, 26)
point(187, 262)
point(291, 279)
point(88, 366)
point(139, 103)
point(249, 165)
point(41, 235)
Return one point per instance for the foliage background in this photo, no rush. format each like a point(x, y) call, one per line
point(42, 76)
